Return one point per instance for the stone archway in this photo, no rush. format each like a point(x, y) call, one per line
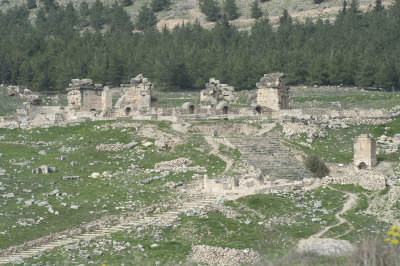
point(191, 109)
point(362, 166)
point(128, 111)
point(225, 110)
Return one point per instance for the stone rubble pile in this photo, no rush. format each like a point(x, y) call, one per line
point(325, 247)
point(179, 165)
point(387, 144)
point(368, 179)
point(116, 147)
point(25, 95)
point(223, 256)
point(44, 169)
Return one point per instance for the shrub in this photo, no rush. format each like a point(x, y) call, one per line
point(316, 166)
point(374, 251)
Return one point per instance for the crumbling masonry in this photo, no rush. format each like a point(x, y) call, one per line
point(272, 92)
point(364, 152)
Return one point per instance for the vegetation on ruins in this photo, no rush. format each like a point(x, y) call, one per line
point(97, 42)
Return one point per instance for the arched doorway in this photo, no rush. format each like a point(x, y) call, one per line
point(362, 165)
point(258, 110)
point(128, 110)
point(225, 110)
point(191, 109)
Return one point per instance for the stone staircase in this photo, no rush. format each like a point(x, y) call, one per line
point(271, 157)
point(168, 216)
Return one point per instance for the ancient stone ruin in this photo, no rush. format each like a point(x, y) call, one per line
point(272, 91)
point(364, 152)
point(83, 95)
point(216, 91)
point(137, 97)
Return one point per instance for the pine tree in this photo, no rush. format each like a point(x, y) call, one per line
point(285, 17)
point(31, 4)
point(344, 8)
point(211, 9)
point(354, 7)
point(378, 6)
point(146, 18)
point(255, 10)
point(231, 9)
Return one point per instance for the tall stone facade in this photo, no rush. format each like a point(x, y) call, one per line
point(364, 152)
point(216, 91)
point(83, 95)
point(272, 91)
point(137, 97)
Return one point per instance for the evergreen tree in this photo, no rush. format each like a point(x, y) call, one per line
point(31, 4)
point(344, 8)
point(231, 9)
point(159, 5)
point(146, 18)
point(387, 76)
point(96, 16)
point(285, 17)
point(120, 20)
point(84, 9)
point(255, 10)
point(211, 9)
point(354, 7)
point(378, 6)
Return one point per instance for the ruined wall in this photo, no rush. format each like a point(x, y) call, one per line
point(364, 152)
point(137, 96)
point(272, 92)
point(91, 100)
point(215, 91)
point(83, 95)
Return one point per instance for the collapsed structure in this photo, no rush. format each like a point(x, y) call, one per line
point(83, 95)
point(272, 92)
point(364, 152)
point(215, 91)
point(137, 97)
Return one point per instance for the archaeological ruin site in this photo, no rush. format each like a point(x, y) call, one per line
point(102, 174)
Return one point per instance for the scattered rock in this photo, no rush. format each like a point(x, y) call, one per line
point(71, 177)
point(95, 175)
point(325, 247)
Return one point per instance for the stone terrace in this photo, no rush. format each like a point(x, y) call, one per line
point(271, 156)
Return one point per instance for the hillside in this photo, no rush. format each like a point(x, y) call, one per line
point(126, 191)
point(189, 11)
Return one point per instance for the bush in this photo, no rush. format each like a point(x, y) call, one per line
point(316, 166)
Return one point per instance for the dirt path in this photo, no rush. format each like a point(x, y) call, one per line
point(215, 150)
point(350, 203)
